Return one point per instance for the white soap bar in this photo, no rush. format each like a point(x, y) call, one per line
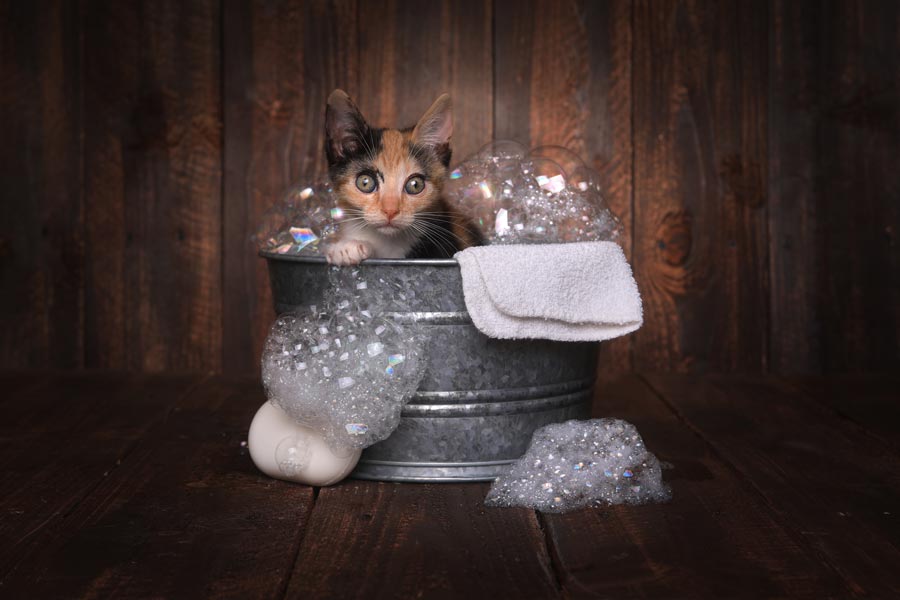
point(282, 448)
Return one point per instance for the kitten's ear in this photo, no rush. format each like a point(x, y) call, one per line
point(435, 128)
point(344, 127)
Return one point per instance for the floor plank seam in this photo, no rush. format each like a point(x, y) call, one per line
point(550, 556)
point(747, 483)
point(298, 543)
point(825, 408)
point(61, 518)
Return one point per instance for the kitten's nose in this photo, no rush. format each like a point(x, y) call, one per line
point(390, 213)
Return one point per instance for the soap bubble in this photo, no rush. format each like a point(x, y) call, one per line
point(547, 174)
point(584, 179)
point(348, 367)
point(577, 464)
point(306, 215)
point(565, 158)
point(545, 196)
point(501, 150)
point(499, 162)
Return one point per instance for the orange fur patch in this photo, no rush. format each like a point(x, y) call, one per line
point(395, 152)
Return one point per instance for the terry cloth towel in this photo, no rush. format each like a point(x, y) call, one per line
point(568, 292)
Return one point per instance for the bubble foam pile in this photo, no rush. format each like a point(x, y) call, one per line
point(579, 464)
point(546, 195)
point(345, 368)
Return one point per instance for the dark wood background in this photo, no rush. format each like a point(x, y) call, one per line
point(752, 150)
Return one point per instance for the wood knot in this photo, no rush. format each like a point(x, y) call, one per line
point(674, 238)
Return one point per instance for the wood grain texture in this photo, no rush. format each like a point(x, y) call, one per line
point(384, 540)
point(858, 185)
point(834, 485)
point(867, 400)
point(835, 118)
point(796, 322)
point(41, 229)
point(715, 539)
point(748, 148)
point(153, 168)
point(138, 486)
point(411, 52)
point(185, 514)
point(700, 195)
point(58, 440)
point(562, 76)
point(281, 61)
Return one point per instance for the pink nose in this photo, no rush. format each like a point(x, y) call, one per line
point(390, 213)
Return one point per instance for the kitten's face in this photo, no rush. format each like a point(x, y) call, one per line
point(387, 179)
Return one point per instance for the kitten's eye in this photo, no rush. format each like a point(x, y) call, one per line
point(415, 185)
point(366, 183)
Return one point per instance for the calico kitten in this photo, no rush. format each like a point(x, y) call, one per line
point(389, 184)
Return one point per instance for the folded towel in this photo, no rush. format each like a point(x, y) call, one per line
point(568, 292)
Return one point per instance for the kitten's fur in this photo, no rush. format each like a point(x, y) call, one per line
point(389, 222)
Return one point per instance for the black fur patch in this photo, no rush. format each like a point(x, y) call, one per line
point(367, 145)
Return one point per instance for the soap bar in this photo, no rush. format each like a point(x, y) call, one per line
point(284, 449)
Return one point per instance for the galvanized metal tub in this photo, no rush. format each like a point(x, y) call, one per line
point(480, 399)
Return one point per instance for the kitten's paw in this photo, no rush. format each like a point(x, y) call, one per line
point(348, 252)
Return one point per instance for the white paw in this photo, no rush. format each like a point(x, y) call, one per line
point(348, 252)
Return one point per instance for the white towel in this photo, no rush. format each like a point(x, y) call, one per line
point(568, 292)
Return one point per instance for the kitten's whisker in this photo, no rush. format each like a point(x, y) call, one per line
point(438, 235)
point(442, 220)
point(445, 232)
point(420, 231)
point(429, 235)
point(440, 216)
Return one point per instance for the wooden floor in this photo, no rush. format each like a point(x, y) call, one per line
point(140, 486)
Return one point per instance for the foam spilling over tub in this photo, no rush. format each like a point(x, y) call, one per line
point(579, 464)
point(344, 369)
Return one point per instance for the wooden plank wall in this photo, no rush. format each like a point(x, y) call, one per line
point(749, 148)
